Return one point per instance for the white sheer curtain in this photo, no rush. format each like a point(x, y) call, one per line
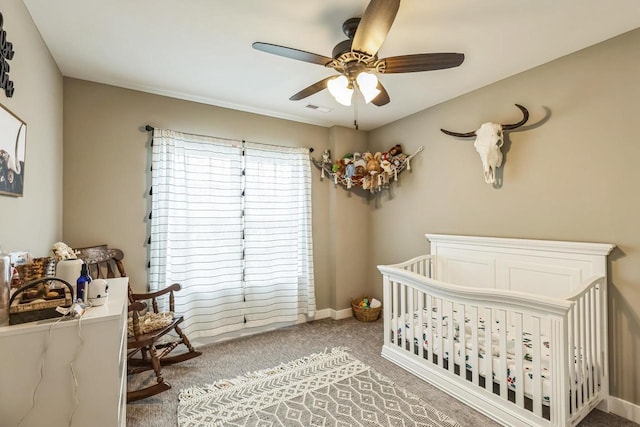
point(231, 222)
point(278, 254)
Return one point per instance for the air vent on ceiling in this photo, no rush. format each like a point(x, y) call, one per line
point(318, 108)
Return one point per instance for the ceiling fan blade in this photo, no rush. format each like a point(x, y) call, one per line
point(289, 52)
point(382, 98)
point(310, 90)
point(421, 62)
point(375, 25)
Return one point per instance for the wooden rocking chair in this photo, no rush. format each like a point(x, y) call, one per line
point(146, 350)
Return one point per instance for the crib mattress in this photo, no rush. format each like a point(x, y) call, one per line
point(441, 322)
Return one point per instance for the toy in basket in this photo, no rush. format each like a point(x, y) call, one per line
point(37, 269)
point(38, 300)
point(366, 309)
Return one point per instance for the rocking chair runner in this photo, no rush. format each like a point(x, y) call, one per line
point(146, 349)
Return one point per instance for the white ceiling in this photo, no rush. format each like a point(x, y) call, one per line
point(200, 50)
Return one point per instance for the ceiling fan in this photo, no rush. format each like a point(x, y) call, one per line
point(356, 59)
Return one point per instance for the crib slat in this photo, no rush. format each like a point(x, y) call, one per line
point(600, 360)
point(420, 324)
point(386, 315)
point(571, 359)
point(405, 318)
point(450, 336)
point(502, 346)
point(475, 348)
point(439, 331)
point(593, 329)
point(537, 368)
point(462, 334)
point(411, 313)
point(519, 374)
point(396, 315)
point(559, 371)
point(588, 343)
point(430, 328)
point(596, 345)
point(578, 352)
point(488, 351)
point(583, 371)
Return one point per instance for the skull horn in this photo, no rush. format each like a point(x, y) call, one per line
point(525, 117)
point(461, 135)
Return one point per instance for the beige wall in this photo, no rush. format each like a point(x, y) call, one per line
point(571, 174)
point(106, 157)
point(34, 221)
point(348, 226)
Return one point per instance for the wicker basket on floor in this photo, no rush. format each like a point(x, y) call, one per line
point(365, 314)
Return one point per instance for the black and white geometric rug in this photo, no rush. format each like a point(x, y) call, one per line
point(324, 389)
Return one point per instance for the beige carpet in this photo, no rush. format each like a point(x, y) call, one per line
point(237, 357)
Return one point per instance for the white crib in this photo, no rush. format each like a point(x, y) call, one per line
point(525, 321)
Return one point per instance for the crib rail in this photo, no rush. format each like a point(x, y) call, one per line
point(491, 343)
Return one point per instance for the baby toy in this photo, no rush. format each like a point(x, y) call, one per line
point(373, 162)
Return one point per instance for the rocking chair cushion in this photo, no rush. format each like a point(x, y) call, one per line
point(150, 322)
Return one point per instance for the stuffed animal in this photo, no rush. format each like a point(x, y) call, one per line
point(350, 170)
point(340, 169)
point(387, 170)
point(366, 182)
point(62, 251)
point(340, 166)
point(360, 166)
point(373, 162)
point(395, 150)
point(326, 156)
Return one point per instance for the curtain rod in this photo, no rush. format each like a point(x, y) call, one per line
point(150, 128)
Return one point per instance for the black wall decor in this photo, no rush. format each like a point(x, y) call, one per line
point(6, 54)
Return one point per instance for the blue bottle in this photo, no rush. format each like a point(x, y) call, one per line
point(82, 284)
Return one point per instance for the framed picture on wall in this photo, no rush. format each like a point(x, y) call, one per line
point(13, 141)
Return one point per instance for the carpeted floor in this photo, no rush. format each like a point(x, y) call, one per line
point(233, 358)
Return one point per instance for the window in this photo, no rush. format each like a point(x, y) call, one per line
point(231, 222)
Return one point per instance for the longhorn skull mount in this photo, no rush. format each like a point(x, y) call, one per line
point(488, 143)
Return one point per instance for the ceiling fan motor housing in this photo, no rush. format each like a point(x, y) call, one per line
point(350, 26)
point(342, 48)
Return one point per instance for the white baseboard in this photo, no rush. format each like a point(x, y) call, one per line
point(333, 314)
point(625, 409)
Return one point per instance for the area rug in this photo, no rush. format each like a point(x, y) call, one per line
point(324, 389)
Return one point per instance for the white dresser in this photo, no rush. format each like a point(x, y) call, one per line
point(96, 347)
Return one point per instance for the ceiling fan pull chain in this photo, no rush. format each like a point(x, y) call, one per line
point(355, 114)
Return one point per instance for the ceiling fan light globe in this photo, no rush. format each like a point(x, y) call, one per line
point(369, 94)
point(339, 88)
point(368, 83)
point(345, 98)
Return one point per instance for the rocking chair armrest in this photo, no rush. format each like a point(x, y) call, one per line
point(151, 295)
point(137, 306)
